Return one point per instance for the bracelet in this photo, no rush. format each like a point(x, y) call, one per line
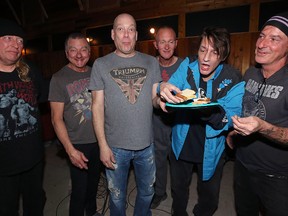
point(158, 88)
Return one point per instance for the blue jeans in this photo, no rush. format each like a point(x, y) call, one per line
point(144, 169)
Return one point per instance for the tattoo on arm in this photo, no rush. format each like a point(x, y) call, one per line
point(277, 135)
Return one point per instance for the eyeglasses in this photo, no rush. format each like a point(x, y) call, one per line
point(260, 91)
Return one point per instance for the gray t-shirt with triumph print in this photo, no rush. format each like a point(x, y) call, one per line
point(127, 85)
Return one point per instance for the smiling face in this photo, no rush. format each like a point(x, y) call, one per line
point(166, 43)
point(208, 58)
point(10, 49)
point(271, 48)
point(124, 35)
point(78, 53)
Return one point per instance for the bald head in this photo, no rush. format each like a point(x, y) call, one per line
point(123, 16)
point(165, 30)
point(124, 35)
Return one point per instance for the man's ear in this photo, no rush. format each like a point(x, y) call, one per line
point(136, 35)
point(155, 45)
point(112, 34)
point(66, 54)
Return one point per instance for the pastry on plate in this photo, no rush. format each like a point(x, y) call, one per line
point(204, 100)
point(187, 94)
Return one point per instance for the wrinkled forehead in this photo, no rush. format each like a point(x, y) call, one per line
point(273, 30)
point(166, 32)
point(124, 20)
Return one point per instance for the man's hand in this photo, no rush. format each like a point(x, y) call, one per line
point(166, 94)
point(107, 158)
point(78, 159)
point(230, 139)
point(246, 126)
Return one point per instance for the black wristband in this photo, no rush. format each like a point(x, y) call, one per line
point(158, 88)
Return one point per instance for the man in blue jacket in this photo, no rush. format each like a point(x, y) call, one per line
point(198, 137)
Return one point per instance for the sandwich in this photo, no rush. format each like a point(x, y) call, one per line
point(187, 94)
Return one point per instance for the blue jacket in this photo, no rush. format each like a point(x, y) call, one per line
point(225, 80)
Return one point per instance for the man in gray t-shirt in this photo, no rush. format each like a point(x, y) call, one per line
point(166, 44)
point(123, 85)
point(70, 103)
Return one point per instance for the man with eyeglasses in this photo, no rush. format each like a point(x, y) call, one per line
point(261, 166)
point(166, 44)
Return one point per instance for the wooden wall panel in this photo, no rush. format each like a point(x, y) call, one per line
point(146, 47)
point(254, 37)
point(94, 54)
point(48, 63)
point(240, 51)
point(187, 46)
point(241, 55)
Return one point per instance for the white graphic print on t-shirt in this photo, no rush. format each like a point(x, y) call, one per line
point(130, 81)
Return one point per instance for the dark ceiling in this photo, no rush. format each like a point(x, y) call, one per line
point(34, 12)
point(47, 16)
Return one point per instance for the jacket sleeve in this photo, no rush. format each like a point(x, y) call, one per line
point(179, 78)
point(232, 104)
point(214, 119)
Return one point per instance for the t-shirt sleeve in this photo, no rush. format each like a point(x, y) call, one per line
point(96, 81)
point(55, 90)
point(157, 74)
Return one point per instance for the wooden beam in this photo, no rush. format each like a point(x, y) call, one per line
point(182, 25)
point(80, 4)
point(43, 9)
point(13, 11)
point(23, 13)
point(254, 16)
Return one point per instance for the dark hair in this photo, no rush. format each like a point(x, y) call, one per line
point(220, 39)
point(75, 35)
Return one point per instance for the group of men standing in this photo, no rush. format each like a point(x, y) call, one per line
point(105, 113)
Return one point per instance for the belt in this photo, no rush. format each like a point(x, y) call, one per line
point(261, 174)
point(276, 176)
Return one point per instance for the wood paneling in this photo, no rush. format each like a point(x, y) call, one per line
point(242, 44)
point(49, 62)
point(241, 55)
point(67, 15)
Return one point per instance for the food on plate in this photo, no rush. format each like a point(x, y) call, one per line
point(201, 100)
point(187, 94)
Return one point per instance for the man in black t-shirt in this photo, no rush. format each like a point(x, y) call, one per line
point(21, 148)
point(261, 166)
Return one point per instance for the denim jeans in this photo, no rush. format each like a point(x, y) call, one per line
point(144, 169)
